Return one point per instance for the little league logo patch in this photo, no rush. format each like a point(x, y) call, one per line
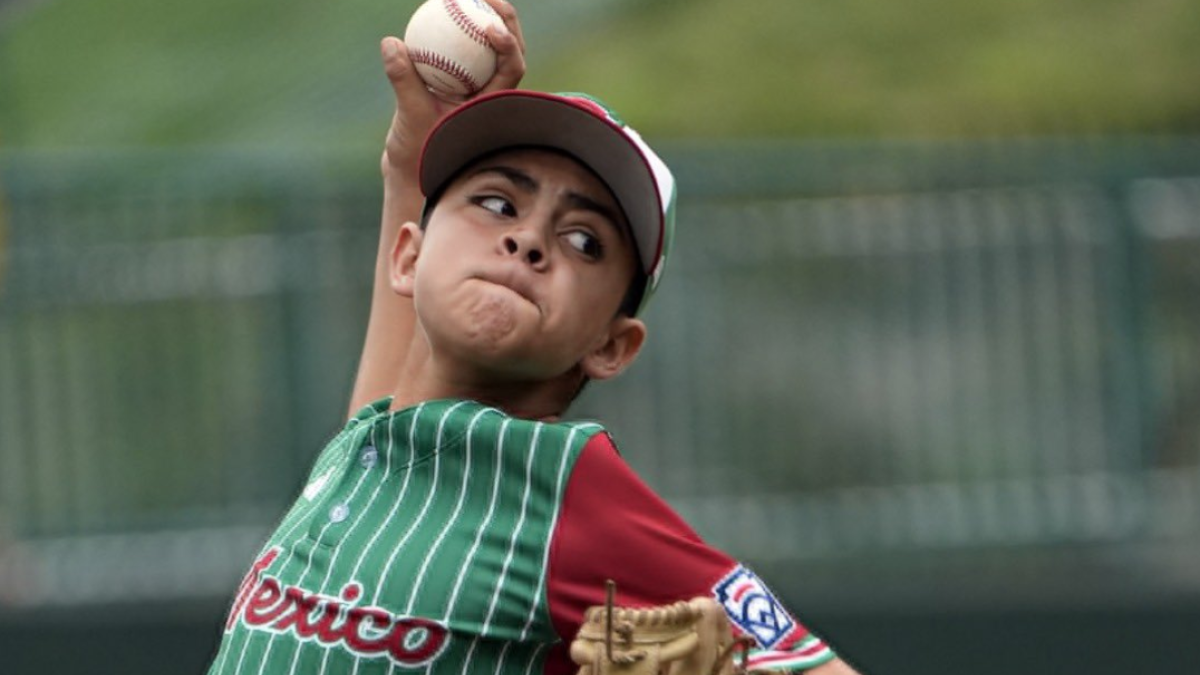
point(751, 607)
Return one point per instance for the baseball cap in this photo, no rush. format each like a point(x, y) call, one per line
point(583, 127)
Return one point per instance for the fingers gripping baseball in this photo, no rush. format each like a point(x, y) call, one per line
point(418, 106)
point(509, 44)
point(508, 14)
point(416, 110)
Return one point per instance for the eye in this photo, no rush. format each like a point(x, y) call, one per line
point(585, 243)
point(497, 205)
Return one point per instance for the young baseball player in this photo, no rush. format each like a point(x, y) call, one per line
point(455, 524)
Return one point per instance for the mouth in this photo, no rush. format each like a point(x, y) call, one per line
point(511, 282)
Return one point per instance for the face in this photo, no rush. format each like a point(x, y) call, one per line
point(521, 269)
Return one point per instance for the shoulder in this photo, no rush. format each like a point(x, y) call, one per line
point(605, 494)
point(558, 438)
point(538, 450)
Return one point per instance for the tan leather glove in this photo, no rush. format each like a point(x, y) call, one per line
point(686, 638)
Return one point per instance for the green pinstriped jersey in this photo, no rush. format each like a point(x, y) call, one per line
point(419, 542)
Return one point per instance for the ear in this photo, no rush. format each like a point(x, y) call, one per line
point(626, 336)
point(403, 269)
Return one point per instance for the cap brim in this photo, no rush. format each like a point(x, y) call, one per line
point(516, 118)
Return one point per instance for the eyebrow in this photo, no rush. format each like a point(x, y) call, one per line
point(575, 200)
point(522, 180)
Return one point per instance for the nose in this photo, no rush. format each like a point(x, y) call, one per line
point(525, 243)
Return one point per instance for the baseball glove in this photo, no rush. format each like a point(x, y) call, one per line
point(686, 638)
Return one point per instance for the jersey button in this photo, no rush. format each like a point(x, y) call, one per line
point(339, 513)
point(368, 457)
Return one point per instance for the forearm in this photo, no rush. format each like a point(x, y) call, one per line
point(392, 320)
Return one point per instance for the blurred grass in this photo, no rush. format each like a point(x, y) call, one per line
point(118, 72)
point(264, 72)
point(923, 67)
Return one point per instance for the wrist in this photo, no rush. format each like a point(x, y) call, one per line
point(398, 168)
point(400, 179)
point(402, 200)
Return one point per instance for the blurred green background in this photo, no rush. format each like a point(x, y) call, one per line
point(259, 73)
point(927, 355)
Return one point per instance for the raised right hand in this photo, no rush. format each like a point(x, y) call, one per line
point(418, 109)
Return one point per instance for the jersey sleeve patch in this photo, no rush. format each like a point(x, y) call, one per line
point(753, 608)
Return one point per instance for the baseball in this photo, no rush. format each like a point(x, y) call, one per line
point(447, 42)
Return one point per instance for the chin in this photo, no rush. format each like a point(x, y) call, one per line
point(513, 363)
point(497, 347)
point(498, 335)
point(498, 316)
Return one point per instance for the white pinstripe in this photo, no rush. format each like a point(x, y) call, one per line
point(462, 495)
point(311, 507)
point(420, 516)
point(478, 538)
point(412, 451)
point(503, 655)
point(300, 582)
point(534, 656)
point(487, 520)
point(357, 519)
point(412, 596)
point(512, 543)
point(558, 490)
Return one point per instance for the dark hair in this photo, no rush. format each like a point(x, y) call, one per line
point(635, 292)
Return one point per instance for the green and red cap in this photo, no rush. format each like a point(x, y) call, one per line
point(580, 126)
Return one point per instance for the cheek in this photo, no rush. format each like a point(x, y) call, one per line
point(609, 287)
point(440, 261)
point(430, 285)
point(596, 302)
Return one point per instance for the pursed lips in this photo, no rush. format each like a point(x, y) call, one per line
point(512, 280)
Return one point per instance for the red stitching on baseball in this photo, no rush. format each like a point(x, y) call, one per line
point(473, 30)
point(455, 70)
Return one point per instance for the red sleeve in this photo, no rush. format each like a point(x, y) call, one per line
point(613, 526)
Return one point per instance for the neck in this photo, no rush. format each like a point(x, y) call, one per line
point(425, 377)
